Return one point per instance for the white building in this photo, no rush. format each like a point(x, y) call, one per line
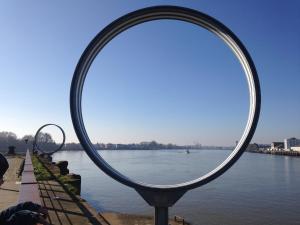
point(291, 142)
point(296, 149)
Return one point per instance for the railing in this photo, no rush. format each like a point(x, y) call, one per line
point(29, 190)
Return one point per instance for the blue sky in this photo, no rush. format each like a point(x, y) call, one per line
point(166, 80)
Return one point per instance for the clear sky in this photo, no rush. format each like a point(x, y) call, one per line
point(167, 81)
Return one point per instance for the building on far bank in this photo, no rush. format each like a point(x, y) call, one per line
point(290, 143)
point(277, 145)
point(296, 149)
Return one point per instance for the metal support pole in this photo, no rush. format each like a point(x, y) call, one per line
point(161, 216)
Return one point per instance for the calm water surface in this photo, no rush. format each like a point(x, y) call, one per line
point(258, 190)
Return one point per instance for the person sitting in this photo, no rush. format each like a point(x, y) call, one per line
point(26, 213)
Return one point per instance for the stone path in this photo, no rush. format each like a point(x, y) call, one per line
point(9, 191)
point(65, 209)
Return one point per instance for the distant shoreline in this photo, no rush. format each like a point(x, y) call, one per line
point(164, 149)
point(279, 153)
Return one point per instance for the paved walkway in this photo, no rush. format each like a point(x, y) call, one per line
point(65, 209)
point(9, 191)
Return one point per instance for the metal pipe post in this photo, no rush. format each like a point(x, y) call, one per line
point(161, 215)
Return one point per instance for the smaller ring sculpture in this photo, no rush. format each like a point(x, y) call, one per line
point(36, 146)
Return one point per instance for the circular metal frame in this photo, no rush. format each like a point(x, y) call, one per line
point(39, 130)
point(159, 13)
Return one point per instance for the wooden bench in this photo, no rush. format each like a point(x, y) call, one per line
point(29, 190)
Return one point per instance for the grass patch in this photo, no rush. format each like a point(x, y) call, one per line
point(40, 171)
point(67, 181)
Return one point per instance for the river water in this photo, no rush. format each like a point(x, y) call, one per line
point(258, 190)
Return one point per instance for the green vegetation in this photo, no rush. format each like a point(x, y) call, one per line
point(41, 173)
point(67, 181)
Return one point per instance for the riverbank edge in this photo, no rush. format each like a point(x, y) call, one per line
point(277, 152)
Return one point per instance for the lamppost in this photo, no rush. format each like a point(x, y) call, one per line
point(161, 197)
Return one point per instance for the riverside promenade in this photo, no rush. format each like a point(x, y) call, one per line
point(64, 207)
point(9, 191)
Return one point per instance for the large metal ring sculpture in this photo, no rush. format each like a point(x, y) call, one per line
point(163, 196)
point(37, 134)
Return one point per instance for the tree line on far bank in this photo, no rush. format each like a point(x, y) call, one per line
point(10, 139)
point(46, 142)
